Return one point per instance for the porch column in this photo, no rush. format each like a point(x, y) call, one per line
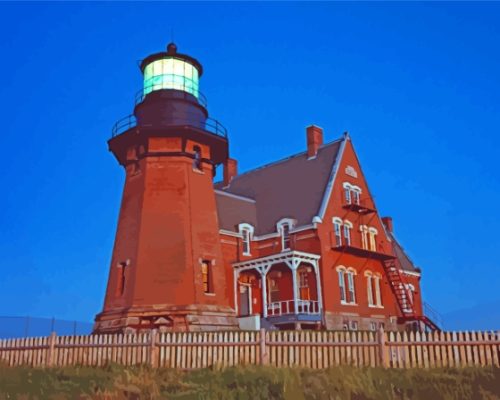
point(318, 285)
point(236, 275)
point(293, 264)
point(263, 279)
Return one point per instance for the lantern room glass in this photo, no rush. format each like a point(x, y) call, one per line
point(171, 73)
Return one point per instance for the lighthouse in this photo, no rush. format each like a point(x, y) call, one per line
point(167, 269)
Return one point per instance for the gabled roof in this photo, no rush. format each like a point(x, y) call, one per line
point(290, 188)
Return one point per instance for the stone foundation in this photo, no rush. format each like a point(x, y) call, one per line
point(166, 319)
point(351, 321)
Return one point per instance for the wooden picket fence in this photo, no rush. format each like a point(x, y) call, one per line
point(313, 349)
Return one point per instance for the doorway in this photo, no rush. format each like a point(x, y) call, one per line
point(245, 299)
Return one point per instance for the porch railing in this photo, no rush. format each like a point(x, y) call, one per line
point(278, 308)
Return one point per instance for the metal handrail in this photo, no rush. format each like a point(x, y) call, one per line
point(210, 125)
point(431, 313)
point(181, 87)
point(278, 308)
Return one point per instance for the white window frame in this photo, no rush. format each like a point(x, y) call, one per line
point(364, 236)
point(351, 286)
point(341, 277)
point(347, 233)
point(369, 288)
point(372, 232)
point(280, 226)
point(378, 295)
point(337, 231)
point(347, 192)
point(246, 231)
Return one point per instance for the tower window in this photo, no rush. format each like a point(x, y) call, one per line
point(197, 158)
point(206, 275)
point(120, 289)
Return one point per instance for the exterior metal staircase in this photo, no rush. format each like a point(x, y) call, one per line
point(403, 296)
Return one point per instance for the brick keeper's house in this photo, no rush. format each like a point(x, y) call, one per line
point(294, 244)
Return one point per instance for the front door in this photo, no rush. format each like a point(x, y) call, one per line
point(245, 300)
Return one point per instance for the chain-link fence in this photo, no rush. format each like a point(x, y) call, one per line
point(17, 327)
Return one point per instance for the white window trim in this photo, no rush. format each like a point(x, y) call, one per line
point(369, 288)
point(250, 229)
point(280, 226)
point(351, 273)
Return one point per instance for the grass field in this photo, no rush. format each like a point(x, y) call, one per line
point(250, 383)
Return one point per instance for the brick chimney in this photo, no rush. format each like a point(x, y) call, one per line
point(230, 170)
point(387, 221)
point(314, 140)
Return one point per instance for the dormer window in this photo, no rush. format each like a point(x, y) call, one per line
point(284, 227)
point(246, 241)
point(246, 231)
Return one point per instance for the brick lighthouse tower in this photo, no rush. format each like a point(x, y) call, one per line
point(167, 270)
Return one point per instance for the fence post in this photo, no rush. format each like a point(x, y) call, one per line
point(52, 345)
point(263, 353)
point(382, 348)
point(153, 348)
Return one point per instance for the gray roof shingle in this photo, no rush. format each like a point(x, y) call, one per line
point(290, 188)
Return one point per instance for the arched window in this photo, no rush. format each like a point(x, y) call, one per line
point(246, 231)
point(352, 193)
point(369, 287)
point(350, 286)
point(372, 232)
point(347, 285)
point(364, 236)
point(378, 294)
point(373, 289)
point(343, 295)
point(347, 232)
point(337, 229)
point(284, 227)
point(347, 193)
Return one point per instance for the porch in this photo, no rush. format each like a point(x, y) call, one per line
point(283, 290)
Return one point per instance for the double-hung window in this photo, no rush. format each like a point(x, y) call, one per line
point(378, 297)
point(347, 233)
point(351, 288)
point(347, 195)
point(369, 279)
point(246, 232)
point(337, 227)
point(340, 273)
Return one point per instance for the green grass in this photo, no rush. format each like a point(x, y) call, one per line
point(248, 383)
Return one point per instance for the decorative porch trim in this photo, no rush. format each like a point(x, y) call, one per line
point(262, 265)
point(276, 258)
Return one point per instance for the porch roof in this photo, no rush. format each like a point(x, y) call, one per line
point(276, 258)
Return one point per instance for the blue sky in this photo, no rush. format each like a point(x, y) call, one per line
point(416, 84)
